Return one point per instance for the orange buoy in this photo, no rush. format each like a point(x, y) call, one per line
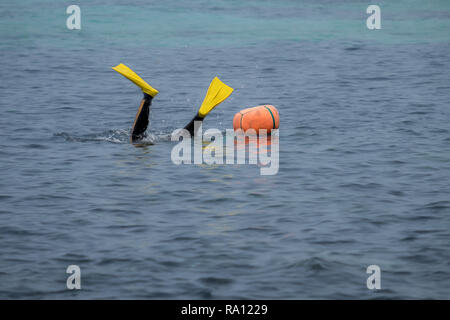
point(261, 117)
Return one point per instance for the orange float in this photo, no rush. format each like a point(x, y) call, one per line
point(257, 118)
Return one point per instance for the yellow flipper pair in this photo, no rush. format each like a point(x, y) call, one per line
point(217, 91)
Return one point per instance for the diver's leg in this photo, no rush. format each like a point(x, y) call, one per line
point(141, 120)
point(190, 126)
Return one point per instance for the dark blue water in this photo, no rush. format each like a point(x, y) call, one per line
point(364, 151)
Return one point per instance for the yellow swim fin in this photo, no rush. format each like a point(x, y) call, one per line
point(133, 77)
point(217, 92)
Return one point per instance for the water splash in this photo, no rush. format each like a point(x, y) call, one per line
point(117, 136)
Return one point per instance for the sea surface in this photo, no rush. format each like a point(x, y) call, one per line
point(364, 140)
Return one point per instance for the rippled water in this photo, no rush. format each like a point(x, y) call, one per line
point(364, 151)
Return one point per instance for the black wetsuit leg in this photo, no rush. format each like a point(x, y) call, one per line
point(190, 126)
point(141, 121)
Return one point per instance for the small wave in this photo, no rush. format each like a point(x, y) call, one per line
point(311, 264)
point(436, 206)
point(217, 281)
point(353, 48)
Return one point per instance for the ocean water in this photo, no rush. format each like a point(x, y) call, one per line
point(364, 172)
